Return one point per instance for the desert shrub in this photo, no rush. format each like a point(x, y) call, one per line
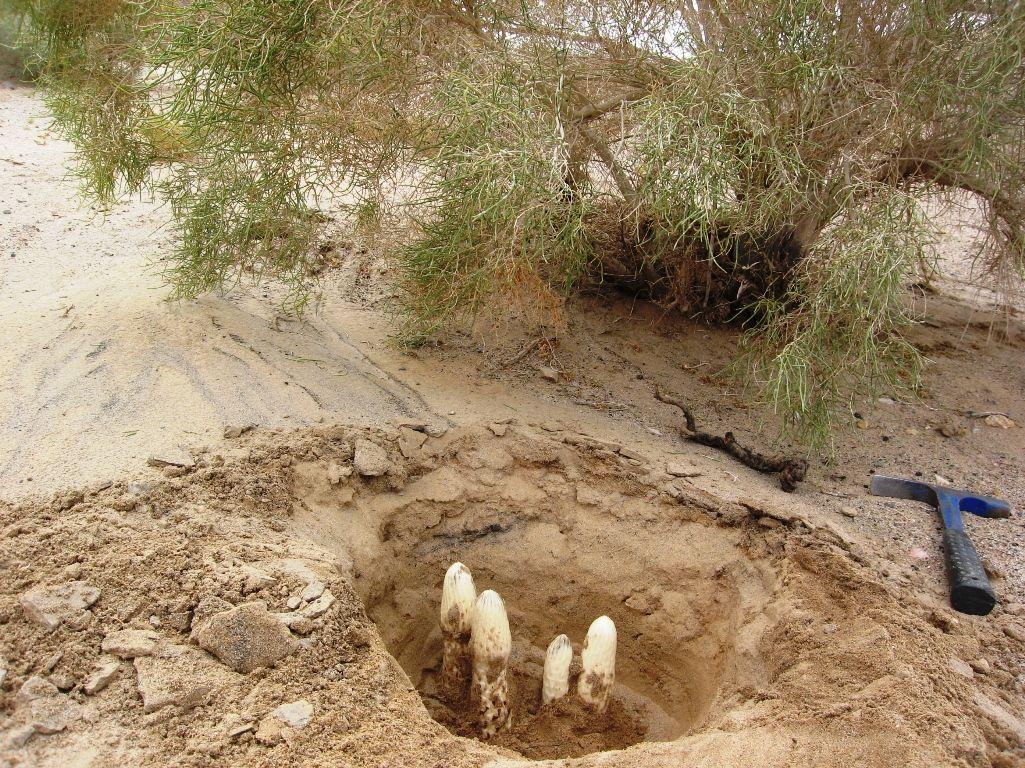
point(15, 58)
point(748, 161)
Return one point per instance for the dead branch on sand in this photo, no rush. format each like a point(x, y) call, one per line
point(791, 470)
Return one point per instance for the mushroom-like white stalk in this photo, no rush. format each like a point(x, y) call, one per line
point(458, 596)
point(555, 682)
point(490, 644)
point(598, 659)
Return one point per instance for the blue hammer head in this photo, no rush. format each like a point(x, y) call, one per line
point(949, 502)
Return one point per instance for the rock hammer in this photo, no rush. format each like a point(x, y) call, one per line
point(970, 591)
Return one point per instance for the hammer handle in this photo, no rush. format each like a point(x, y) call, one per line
point(970, 591)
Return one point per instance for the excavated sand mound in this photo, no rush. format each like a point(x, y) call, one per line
point(277, 605)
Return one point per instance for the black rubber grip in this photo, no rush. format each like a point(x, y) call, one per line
point(970, 591)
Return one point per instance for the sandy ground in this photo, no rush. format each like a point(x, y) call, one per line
point(827, 639)
point(100, 371)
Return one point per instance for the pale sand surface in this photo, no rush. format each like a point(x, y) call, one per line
point(98, 370)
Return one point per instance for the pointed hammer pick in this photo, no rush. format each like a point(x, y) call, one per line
point(970, 591)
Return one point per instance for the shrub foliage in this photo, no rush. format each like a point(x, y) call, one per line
point(755, 161)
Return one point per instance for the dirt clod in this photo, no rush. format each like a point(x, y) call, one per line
point(245, 638)
point(50, 605)
point(953, 429)
point(130, 643)
point(46, 709)
point(178, 675)
point(370, 459)
point(101, 677)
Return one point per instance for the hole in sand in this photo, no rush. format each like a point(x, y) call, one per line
point(676, 614)
point(685, 596)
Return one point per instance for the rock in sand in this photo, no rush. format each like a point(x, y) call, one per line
point(312, 591)
point(34, 688)
point(207, 607)
point(410, 442)
point(246, 638)
point(296, 714)
point(49, 711)
point(256, 579)
point(49, 605)
point(101, 677)
point(980, 665)
point(336, 472)
point(999, 421)
point(961, 668)
point(177, 458)
point(319, 606)
point(178, 675)
point(130, 643)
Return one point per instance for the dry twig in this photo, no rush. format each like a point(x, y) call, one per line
point(790, 470)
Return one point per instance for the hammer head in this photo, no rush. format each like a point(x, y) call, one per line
point(949, 501)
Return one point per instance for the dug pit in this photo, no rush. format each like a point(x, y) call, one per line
point(564, 536)
point(751, 633)
point(680, 599)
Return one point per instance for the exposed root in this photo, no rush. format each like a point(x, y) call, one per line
point(715, 280)
point(791, 470)
point(528, 348)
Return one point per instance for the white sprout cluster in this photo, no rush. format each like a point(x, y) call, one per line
point(477, 643)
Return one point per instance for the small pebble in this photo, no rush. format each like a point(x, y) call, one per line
point(961, 669)
point(312, 591)
point(980, 665)
point(953, 430)
point(999, 421)
point(101, 678)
